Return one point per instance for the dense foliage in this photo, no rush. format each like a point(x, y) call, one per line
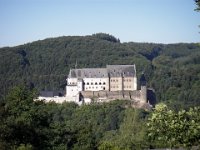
point(167, 128)
point(26, 124)
point(198, 5)
point(173, 70)
point(35, 125)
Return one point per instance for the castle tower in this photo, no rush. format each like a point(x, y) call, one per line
point(135, 79)
point(143, 84)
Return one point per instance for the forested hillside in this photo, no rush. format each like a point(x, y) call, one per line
point(173, 70)
point(35, 125)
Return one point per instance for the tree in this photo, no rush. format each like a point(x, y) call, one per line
point(24, 121)
point(167, 128)
point(131, 134)
point(198, 5)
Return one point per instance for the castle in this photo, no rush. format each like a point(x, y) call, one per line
point(103, 84)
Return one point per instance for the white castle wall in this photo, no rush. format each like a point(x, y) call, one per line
point(96, 84)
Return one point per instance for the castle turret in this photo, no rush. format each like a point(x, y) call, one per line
point(143, 90)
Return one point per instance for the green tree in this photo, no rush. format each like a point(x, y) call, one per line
point(131, 134)
point(198, 5)
point(167, 128)
point(24, 121)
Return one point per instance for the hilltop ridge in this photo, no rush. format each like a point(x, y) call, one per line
point(173, 70)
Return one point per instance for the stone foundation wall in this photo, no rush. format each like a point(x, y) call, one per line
point(128, 95)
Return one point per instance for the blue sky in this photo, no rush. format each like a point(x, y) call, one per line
point(157, 21)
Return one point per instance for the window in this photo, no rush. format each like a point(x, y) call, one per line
point(91, 83)
point(99, 83)
point(116, 80)
point(87, 83)
point(104, 83)
point(129, 80)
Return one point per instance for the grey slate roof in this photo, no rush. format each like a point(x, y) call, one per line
point(110, 70)
point(121, 70)
point(88, 73)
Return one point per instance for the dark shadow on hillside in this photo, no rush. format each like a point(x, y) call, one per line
point(151, 96)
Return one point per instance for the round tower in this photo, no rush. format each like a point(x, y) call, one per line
point(143, 91)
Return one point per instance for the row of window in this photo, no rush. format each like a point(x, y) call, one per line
point(127, 87)
point(104, 83)
point(72, 83)
point(114, 86)
point(116, 80)
point(100, 83)
point(94, 87)
point(128, 80)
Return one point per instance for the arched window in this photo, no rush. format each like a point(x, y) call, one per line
point(87, 83)
point(95, 83)
point(104, 83)
point(99, 83)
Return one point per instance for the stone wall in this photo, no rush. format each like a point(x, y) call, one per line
point(127, 95)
